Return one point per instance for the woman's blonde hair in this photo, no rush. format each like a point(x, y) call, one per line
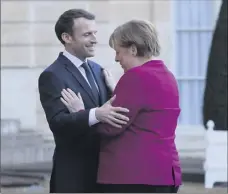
point(140, 33)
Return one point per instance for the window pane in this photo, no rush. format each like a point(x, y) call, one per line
point(194, 29)
point(191, 101)
point(192, 58)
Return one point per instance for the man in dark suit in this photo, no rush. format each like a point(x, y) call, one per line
point(75, 159)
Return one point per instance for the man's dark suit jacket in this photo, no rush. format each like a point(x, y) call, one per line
point(75, 159)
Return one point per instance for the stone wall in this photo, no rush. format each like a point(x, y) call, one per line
point(29, 44)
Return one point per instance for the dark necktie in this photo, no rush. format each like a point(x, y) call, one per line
point(91, 81)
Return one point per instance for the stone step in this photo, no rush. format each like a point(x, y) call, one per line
point(192, 169)
point(188, 165)
point(23, 174)
point(12, 181)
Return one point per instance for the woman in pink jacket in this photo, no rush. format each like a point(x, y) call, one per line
point(140, 156)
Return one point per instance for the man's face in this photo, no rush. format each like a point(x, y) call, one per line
point(83, 39)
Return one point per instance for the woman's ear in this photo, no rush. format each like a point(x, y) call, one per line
point(133, 50)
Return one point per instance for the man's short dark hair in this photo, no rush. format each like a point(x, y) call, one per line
point(66, 21)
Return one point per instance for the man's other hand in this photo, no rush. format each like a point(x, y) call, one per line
point(112, 115)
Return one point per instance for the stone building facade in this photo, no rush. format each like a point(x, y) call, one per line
point(29, 44)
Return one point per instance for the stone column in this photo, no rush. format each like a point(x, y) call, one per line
point(18, 83)
point(162, 17)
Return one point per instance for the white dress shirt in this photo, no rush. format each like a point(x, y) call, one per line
point(77, 62)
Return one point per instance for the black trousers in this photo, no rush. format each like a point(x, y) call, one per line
point(124, 188)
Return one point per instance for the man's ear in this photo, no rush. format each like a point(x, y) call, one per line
point(66, 37)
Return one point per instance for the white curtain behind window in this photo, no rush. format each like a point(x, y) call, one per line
point(194, 24)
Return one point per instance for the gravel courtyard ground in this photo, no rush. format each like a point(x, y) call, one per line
point(187, 188)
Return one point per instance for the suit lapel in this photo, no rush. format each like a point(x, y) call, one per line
point(70, 67)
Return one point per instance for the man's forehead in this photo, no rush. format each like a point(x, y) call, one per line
point(84, 23)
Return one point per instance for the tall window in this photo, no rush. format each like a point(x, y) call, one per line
point(194, 26)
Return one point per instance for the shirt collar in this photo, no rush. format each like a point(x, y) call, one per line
point(75, 60)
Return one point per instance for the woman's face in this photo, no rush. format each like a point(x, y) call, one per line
point(125, 57)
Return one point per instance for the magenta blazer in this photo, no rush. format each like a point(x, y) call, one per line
point(143, 151)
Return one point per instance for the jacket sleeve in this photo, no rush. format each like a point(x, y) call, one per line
point(128, 95)
point(58, 116)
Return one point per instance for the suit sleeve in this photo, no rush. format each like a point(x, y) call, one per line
point(58, 116)
point(128, 95)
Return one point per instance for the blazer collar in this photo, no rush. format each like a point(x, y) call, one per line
point(71, 68)
point(75, 60)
